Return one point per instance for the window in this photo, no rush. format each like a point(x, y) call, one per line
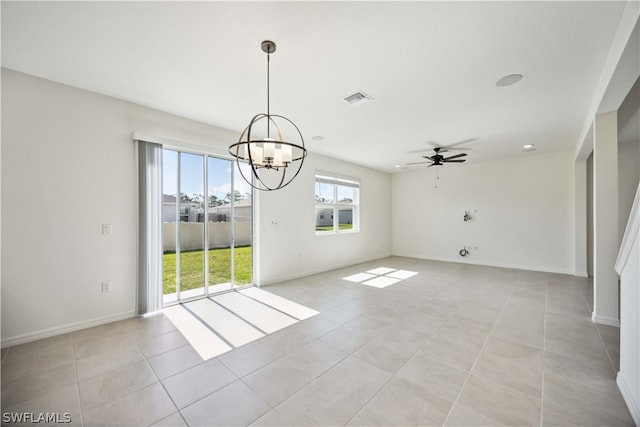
point(337, 201)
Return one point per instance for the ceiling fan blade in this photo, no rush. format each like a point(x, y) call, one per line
point(417, 163)
point(445, 149)
point(433, 145)
point(455, 156)
point(440, 150)
point(455, 161)
point(461, 142)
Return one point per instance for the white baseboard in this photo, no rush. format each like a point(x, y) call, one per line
point(603, 320)
point(628, 398)
point(470, 260)
point(320, 270)
point(63, 329)
point(583, 274)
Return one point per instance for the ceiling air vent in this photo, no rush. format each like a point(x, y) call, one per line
point(357, 98)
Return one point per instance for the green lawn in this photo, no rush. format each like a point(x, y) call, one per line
point(192, 268)
point(330, 227)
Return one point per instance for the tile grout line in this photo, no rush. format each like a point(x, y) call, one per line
point(224, 307)
point(606, 349)
point(206, 325)
point(394, 375)
point(272, 307)
point(478, 356)
point(544, 351)
point(182, 369)
point(282, 356)
point(6, 353)
point(167, 391)
point(613, 366)
point(326, 370)
point(205, 396)
point(75, 369)
point(161, 385)
point(145, 359)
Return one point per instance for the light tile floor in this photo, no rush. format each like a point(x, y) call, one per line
point(453, 345)
point(220, 323)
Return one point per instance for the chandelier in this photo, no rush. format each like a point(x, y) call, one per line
point(274, 161)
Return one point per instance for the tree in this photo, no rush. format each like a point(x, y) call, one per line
point(185, 197)
point(215, 201)
point(236, 196)
point(193, 198)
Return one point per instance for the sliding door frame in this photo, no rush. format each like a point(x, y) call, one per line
point(206, 154)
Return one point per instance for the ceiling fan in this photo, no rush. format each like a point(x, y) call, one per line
point(445, 148)
point(438, 159)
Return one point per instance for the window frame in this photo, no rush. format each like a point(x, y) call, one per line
point(335, 205)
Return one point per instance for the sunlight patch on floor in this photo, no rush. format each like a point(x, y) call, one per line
point(220, 323)
point(380, 277)
point(205, 342)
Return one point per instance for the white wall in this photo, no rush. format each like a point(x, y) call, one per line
point(294, 248)
point(628, 267)
point(628, 377)
point(628, 154)
point(628, 177)
point(605, 218)
point(590, 225)
point(71, 151)
point(581, 219)
point(524, 213)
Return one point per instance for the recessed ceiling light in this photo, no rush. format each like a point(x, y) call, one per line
point(317, 138)
point(509, 80)
point(528, 147)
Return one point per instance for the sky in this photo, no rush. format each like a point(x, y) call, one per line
point(192, 172)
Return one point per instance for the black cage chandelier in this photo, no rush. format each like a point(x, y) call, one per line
point(274, 161)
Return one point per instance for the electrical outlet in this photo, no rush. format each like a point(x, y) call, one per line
point(106, 286)
point(275, 223)
point(106, 229)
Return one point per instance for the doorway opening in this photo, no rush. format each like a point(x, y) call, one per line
point(206, 226)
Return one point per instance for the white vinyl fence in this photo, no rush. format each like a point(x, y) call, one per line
point(192, 235)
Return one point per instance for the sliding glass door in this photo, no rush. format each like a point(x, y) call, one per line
point(206, 230)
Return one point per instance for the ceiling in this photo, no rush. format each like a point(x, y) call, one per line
point(431, 67)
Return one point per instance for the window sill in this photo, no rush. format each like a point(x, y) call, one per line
point(334, 233)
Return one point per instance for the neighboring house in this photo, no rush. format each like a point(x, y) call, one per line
point(345, 216)
point(222, 213)
point(324, 217)
point(192, 212)
point(189, 211)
